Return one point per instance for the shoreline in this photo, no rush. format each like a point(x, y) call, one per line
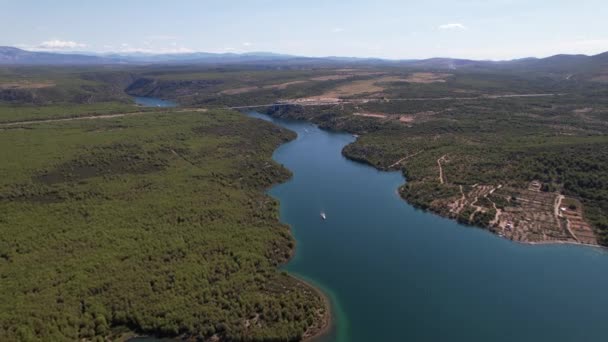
point(326, 322)
point(487, 229)
point(604, 248)
point(393, 169)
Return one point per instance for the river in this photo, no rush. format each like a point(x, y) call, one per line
point(153, 102)
point(394, 273)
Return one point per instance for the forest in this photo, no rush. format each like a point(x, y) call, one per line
point(156, 221)
point(155, 224)
point(560, 140)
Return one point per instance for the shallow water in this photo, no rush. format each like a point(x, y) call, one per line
point(153, 102)
point(395, 273)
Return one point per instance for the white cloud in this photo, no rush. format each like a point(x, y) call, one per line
point(337, 30)
point(247, 44)
point(452, 26)
point(57, 44)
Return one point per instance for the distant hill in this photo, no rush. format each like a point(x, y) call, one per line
point(558, 62)
point(14, 56)
point(198, 57)
point(580, 64)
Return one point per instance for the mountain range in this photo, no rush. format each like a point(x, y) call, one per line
point(16, 56)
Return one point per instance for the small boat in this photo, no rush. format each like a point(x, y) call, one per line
point(323, 216)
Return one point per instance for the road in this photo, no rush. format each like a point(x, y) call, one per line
point(99, 116)
point(368, 100)
point(279, 104)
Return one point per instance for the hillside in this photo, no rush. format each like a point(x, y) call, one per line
point(495, 149)
point(14, 56)
point(519, 149)
point(557, 63)
point(154, 224)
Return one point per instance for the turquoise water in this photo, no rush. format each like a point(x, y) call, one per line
point(153, 102)
point(395, 273)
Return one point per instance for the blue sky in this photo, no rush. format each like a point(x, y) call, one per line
point(491, 29)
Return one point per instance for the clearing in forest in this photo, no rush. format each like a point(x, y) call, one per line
point(427, 77)
point(371, 115)
point(25, 85)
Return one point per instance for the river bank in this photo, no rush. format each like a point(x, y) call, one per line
point(444, 198)
point(325, 323)
point(311, 298)
point(403, 273)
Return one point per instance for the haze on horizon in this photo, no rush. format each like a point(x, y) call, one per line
point(475, 29)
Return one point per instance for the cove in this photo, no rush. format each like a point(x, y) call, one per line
point(394, 273)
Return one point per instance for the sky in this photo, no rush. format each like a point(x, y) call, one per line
point(475, 29)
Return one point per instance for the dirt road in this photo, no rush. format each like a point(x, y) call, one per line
point(441, 176)
point(404, 159)
point(558, 215)
point(300, 102)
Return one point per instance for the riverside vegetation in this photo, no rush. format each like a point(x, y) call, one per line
point(158, 223)
point(504, 145)
point(493, 146)
point(490, 145)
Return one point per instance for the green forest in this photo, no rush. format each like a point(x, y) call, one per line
point(155, 224)
point(510, 142)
